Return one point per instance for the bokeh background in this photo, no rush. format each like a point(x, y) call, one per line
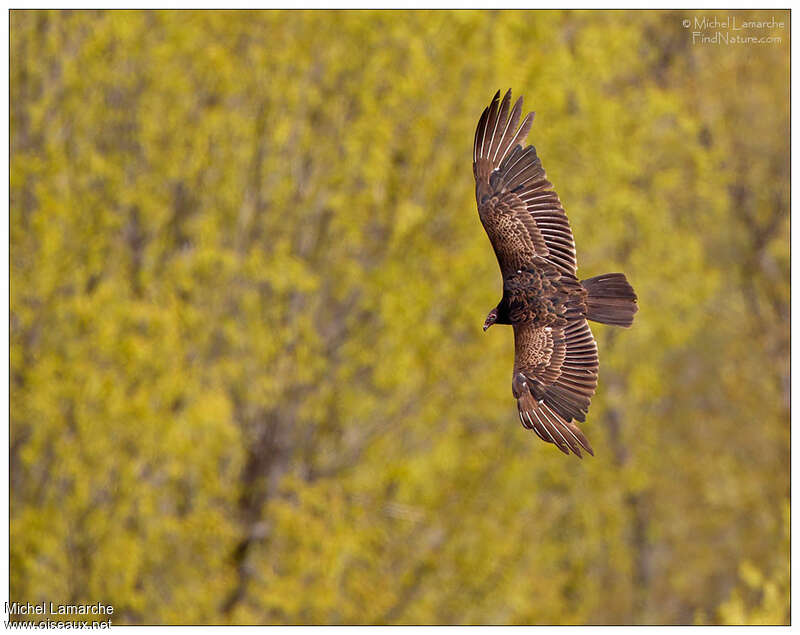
point(248, 378)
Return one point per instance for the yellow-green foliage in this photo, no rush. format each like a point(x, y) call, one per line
point(248, 379)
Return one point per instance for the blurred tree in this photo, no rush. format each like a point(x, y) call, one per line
point(762, 599)
point(247, 281)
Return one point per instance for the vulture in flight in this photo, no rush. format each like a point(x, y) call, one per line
point(555, 355)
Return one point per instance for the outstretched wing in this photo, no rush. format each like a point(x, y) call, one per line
point(555, 376)
point(519, 210)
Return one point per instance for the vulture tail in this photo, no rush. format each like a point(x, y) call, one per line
point(611, 299)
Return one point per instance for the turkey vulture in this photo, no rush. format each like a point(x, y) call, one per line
point(555, 358)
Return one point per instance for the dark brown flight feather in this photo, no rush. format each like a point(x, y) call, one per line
point(555, 361)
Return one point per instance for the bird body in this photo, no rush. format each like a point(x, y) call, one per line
point(555, 361)
point(542, 295)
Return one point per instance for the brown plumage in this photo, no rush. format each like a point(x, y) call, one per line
point(555, 361)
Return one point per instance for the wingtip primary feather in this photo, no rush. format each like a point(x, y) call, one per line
point(500, 125)
point(491, 120)
point(479, 133)
point(500, 129)
point(550, 426)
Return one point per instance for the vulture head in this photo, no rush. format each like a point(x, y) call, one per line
point(490, 319)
